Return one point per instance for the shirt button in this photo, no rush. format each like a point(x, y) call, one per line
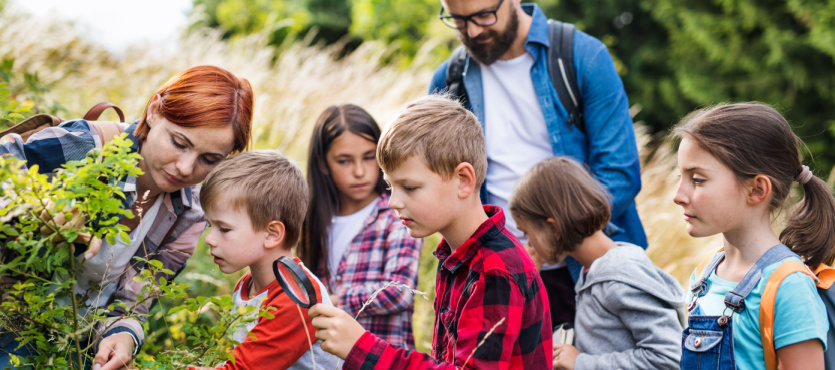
point(697, 343)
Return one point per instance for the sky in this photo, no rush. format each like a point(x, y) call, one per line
point(115, 24)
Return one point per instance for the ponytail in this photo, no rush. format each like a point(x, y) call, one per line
point(810, 230)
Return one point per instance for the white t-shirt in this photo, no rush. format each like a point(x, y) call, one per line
point(515, 131)
point(342, 232)
point(109, 264)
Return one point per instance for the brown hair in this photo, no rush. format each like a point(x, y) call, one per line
point(205, 96)
point(324, 197)
point(560, 188)
point(438, 130)
point(266, 183)
point(752, 139)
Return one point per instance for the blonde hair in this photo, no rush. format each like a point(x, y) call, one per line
point(438, 130)
point(266, 184)
point(560, 188)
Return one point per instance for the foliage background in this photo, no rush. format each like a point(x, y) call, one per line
point(673, 56)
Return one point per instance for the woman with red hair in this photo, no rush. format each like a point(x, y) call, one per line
point(189, 125)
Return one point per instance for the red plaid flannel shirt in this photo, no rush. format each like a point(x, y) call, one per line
point(488, 278)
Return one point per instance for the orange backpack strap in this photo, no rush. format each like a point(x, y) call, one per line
point(825, 275)
point(767, 307)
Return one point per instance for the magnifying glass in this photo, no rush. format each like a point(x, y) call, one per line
point(294, 281)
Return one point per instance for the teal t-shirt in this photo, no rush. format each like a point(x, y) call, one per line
point(799, 314)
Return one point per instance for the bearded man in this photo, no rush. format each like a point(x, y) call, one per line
point(509, 89)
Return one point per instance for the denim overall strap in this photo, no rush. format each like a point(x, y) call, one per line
point(700, 285)
point(707, 342)
point(735, 298)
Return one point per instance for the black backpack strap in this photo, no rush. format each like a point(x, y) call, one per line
point(561, 69)
point(455, 75)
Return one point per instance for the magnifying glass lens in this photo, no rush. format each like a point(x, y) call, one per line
point(294, 281)
point(294, 286)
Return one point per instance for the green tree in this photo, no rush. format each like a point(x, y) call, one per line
point(243, 17)
point(329, 19)
point(408, 24)
point(678, 55)
point(775, 51)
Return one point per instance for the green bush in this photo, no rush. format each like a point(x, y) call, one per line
point(41, 262)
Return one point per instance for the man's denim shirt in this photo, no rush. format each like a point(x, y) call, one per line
point(608, 147)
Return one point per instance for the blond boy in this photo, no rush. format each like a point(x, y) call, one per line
point(433, 158)
point(255, 203)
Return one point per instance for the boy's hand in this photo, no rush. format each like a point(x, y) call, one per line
point(337, 330)
point(564, 356)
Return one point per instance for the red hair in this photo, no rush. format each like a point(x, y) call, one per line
point(205, 96)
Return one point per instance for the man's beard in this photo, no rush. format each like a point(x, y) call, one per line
point(490, 52)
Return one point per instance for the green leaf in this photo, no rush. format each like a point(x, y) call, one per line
point(125, 237)
point(176, 309)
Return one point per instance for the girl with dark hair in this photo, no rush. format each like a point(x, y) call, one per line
point(351, 239)
point(737, 164)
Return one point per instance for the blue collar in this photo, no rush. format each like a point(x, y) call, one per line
point(538, 33)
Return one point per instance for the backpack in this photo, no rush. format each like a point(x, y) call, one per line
point(560, 68)
point(38, 122)
point(824, 277)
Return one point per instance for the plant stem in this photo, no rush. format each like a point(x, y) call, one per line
point(75, 312)
point(307, 332)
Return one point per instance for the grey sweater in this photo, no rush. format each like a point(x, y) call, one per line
point(629, 313)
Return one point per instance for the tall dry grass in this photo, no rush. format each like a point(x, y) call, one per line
point(290, 93)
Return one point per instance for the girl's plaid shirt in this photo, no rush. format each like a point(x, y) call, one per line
point(488, 278)
point(381, 252)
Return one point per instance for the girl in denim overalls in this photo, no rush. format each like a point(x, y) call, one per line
point(737, 163)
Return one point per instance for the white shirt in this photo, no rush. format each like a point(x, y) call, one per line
point(342, 232)
point(515, 130)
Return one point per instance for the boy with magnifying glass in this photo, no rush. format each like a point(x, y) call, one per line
point(491, 309)
point(255, 203)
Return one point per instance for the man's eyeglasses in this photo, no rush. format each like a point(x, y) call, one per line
point(482, 19)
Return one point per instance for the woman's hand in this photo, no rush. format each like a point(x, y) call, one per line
point(337, 330)
point(115, 352)
point(76, 221)
point(334, 300)
point(564, 356)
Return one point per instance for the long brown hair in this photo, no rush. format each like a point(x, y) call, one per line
point(324, 197)
point(205, 96)
point(753, 139)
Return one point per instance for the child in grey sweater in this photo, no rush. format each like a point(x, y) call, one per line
point(629, 312)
